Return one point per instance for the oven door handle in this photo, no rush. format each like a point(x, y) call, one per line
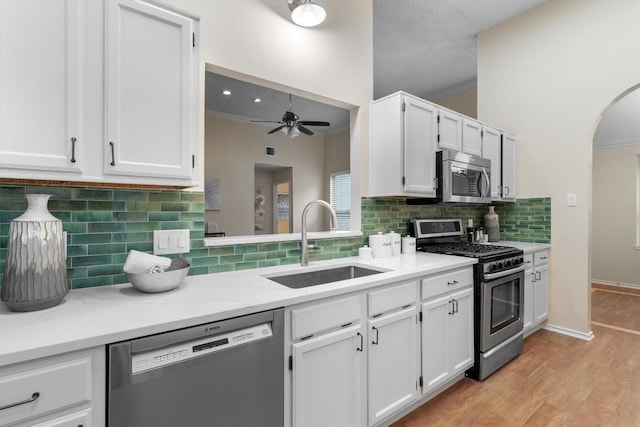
point(492, 276)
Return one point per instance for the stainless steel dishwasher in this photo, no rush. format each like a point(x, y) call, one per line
point(226, 373)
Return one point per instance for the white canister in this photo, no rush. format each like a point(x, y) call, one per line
point(380, 245)
point(408, 245)
point(395, 243)
point(365, 252)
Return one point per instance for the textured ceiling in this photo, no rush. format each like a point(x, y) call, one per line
point(424, 47)
point(428, 47)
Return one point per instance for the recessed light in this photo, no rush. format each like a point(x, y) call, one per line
point(226, 92)
point(257, 100)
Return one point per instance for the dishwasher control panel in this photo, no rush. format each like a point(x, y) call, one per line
point(145, 361)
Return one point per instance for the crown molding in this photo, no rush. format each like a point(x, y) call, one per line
point(616, 143)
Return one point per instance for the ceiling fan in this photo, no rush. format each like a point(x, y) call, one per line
point(291, 125)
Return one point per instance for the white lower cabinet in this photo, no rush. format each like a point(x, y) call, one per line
point(327, 379)
point(447, 337)
point(536, 290)
point(64, 390)
point(327, 363)
point(393, 350)
point(358, 360)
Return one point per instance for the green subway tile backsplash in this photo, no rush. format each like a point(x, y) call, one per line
point(104, 224)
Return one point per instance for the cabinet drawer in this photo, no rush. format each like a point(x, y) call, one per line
point(328, 315)
point(528, 261)
point(540, 257)
point(441, 283)
point(77, 419)
point(396, 296)
point(58, 385)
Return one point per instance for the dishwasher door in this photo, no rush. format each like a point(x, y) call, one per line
point(227, 373)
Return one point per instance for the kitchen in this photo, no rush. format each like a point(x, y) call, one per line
point(505, 72)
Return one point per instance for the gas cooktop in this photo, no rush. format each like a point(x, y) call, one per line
point(474, 250)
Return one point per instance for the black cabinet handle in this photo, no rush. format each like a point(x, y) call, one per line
point(451, 312)
point(73, 149)
point(113, 153)
point(33, 398)
point(361, 342)
point(373, 328)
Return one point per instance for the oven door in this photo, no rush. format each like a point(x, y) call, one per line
point(501, 307)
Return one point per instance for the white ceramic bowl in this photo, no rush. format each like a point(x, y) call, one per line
point(161, 282)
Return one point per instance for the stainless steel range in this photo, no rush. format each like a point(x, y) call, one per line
point(498, 291)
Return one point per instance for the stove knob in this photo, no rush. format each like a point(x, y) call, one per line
point(507, 263)
point(520, 260)
point(492, 267)
point(499, 265)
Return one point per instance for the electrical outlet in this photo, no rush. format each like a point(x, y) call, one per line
point(171, 242)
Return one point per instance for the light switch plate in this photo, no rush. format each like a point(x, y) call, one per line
point(171, 242)
point(571, 200)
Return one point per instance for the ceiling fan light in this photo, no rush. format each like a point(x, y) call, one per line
point(290, 131)
point(308, 14)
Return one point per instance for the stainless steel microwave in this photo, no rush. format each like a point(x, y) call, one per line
point(463, 178)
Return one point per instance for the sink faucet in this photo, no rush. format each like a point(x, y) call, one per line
point(305, 247)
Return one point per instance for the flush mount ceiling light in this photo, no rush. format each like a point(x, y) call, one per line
point(306, 13)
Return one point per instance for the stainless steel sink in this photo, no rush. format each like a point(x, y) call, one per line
point(319, 277)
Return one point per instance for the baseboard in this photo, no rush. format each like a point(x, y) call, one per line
point(570, 332)
point(618, 284)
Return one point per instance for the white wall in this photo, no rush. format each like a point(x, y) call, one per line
point(465, 102)
point(547, 76)
point(615, 192)
point(232, 150)
point(332, 62)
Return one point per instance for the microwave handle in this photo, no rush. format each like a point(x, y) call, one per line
point(488, 187)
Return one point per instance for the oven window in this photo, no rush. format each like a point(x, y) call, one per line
point(505, 306)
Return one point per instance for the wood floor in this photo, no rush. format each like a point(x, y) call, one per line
point(557, 380)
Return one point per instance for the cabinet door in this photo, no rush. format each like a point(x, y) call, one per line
point(529, 278)
point(461, 332)
point(420, 133)
point(40, 84)
point(508, 167)
point(393, 363)
point(449, 131)
point(149, 91)
point(471, 137)
point(328, 379)
point(435, 342)
point(491, 149)
point(540, 292)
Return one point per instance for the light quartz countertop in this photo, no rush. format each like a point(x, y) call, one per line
point(106, 314)
point(101, 315)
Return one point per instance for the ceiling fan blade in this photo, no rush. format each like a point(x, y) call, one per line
point(276, 129)
point(312, 123)
point(265, 121)
point(305, 130)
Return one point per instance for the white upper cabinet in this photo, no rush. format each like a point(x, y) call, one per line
point(402, 147)
point(500, 148)
point(491, 149)
point(151, 97)
point(449, 131)
point(471, 137)
point(40, 88)
point(508, 167)
point(72, 111)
